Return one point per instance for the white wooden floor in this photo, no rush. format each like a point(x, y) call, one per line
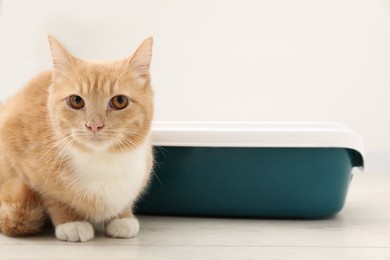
point(360, 231)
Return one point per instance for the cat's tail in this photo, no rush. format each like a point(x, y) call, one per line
point(21, 211)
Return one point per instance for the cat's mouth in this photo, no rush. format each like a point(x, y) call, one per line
point(95, 139)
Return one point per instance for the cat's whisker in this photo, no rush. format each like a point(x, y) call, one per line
point(45, 139)
point(131, 144)
point(125, 132)
point(155, 174)
point(120, 145)
point(60, 146)
point(162, 150)
point(122, 140)
point(53, 164)
point(56, 144)
point(127, 135)
point(67, 167)
point(54, 154)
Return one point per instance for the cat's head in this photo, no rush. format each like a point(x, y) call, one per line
point(101, 105)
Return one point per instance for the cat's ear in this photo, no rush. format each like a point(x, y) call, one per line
point(140, 61)
point(62, 59)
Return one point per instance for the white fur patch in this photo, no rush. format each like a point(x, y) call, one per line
point(114, 179)
point(75, 231)
point(123, 228)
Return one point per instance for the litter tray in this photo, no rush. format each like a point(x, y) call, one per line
point(268, 170)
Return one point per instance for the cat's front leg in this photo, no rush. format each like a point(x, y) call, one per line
point(126, 225)
point(75, 231)
point(69, 226)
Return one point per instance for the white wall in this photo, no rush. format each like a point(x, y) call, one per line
point(227, 60)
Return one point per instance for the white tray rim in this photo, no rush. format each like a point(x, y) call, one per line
point(255, 134)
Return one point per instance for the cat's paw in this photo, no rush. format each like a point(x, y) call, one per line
point(75, 231)
point(122, 228)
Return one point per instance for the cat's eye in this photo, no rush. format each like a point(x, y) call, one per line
point(119, 102)
point(76, 102)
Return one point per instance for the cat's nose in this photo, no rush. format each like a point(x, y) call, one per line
point(94, 126)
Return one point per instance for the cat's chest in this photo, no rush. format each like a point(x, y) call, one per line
point(113, 180)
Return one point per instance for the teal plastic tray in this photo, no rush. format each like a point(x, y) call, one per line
point(269, 182)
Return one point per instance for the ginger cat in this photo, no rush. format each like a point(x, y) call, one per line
point(75, 147)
